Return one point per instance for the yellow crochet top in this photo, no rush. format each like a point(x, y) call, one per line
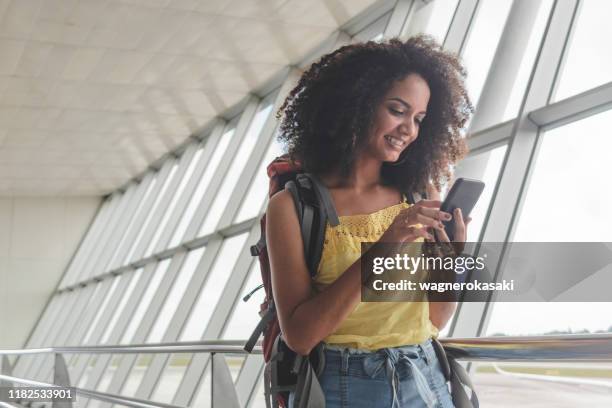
point(371, 325)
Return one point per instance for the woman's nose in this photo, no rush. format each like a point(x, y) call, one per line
point(408, 129)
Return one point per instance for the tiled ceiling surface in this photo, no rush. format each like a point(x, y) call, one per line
point(93, 91)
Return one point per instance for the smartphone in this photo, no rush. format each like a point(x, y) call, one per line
point(463, 194)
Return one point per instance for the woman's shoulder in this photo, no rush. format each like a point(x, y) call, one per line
point(281, 205)
point(282, 224)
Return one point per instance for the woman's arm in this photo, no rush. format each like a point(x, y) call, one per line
point(305, 318)
point(441, 312)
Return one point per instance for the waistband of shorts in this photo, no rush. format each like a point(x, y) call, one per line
point(350, 350)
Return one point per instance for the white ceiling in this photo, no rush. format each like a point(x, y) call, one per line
point(93, 91)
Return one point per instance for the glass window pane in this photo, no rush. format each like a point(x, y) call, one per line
point(105, 302)
point(537, 318)
point(92, 309)
point(238, 163)
point(177, 195)
point(194, 202)
point(175, 295)
point(440, 19)
point(490, 161)
point(204, 396)
point(159, 273)
point(131, 225)
point(136, 375)
point(482, 43)
point(566, 179)
point(258, 399)
point(60, 319)
point(91, 361)
point(258, 190)
point(102, 240)
point(518, 90)
point(558, 385)
point(120, 228)
point(213, 287)
point(171, 378)
point(234, 363)
point(118, 311)
point(588, 63)
point(245, 315)
point(152, 211)
point(103, 384)
point(85, 248)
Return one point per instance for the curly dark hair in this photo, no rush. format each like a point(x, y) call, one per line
point(330, 112)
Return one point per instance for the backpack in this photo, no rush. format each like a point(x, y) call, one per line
point(286, 371)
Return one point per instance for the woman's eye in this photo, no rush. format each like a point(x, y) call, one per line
point(396, 112)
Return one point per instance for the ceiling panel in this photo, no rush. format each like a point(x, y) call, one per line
point(93, 91)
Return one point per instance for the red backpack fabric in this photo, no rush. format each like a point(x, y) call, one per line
point(279, 171)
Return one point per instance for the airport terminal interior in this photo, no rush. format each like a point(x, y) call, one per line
point(134, 140)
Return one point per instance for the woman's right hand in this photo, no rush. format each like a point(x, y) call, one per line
point(413, 222)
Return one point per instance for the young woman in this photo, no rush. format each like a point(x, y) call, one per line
point(371, 121)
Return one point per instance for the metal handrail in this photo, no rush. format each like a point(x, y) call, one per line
point(211, 346)
point(557, 348)
point(575, 347)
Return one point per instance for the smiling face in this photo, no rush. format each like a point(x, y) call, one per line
point(397, 118)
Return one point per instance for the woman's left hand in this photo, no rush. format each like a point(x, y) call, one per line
point(460, 232)
point(442, 305)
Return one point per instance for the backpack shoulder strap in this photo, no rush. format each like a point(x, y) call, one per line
point(324, 198)
point(315, 208)
point(304, 211)
point(293, 188)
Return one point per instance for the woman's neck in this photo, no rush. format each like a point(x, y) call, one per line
point(364, 176)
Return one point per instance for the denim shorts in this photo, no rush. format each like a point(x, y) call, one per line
point(407, 376)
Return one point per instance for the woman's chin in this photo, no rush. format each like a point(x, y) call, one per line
point(392, 159)
point(388, 156)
